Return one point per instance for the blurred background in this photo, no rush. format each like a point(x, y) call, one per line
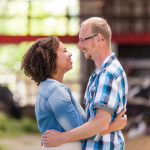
point(24, 21)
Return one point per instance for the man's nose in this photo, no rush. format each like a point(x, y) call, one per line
point(80, 45)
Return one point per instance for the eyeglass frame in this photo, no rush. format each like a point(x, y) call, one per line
point(84, 39)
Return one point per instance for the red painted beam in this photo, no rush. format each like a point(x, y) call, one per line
point(132, 38)
point(124, 38)
point(7, 39)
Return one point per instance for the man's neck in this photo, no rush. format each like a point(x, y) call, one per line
point(99, 59)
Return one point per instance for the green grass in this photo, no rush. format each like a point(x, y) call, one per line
point(3, 147)
point(13, 127)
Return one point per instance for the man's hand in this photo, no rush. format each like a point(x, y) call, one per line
point(121, 119)
point(52, 138)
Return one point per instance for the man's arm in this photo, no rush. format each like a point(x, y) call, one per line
point(96, 125)
point(118, 123)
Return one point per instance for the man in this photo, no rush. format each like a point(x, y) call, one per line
point(106, 93)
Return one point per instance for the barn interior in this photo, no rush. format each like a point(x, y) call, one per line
point(24, 21)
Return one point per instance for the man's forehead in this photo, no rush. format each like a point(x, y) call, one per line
point(84, 27)
point(84, 30)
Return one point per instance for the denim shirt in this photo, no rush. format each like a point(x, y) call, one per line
point(56, 108)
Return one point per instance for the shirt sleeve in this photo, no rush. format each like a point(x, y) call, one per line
point(107, 95)
point(65, 112)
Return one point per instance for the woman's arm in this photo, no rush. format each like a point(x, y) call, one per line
point(65, 113)
point(118, 123)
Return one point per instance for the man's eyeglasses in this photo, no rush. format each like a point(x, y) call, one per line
point(81, 40)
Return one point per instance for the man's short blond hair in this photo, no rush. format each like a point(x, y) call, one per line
point(99, 25)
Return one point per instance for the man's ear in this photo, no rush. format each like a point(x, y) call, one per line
point(99, 38)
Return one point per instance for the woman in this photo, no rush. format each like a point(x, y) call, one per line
point(46, 62)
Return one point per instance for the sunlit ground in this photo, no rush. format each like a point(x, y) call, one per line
point(138, 143)
point(24, 142)
point(32, 142)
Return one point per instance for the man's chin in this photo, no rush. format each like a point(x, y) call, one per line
point(87, 56)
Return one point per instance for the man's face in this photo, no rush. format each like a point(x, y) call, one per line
point(86, 45)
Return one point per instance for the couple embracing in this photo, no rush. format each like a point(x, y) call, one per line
point(61, 120)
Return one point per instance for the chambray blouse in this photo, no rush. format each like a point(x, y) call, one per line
point(56, 108)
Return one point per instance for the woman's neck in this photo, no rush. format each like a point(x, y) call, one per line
point(59, 77)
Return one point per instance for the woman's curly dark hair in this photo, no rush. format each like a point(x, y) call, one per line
point(39, 62)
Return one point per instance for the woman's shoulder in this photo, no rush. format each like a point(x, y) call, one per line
point(46, 87)
point(50, 86)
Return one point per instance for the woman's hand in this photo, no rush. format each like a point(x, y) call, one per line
point(121, 120)
point(118, 123)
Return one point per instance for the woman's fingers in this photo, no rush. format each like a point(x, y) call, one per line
point(122, 112)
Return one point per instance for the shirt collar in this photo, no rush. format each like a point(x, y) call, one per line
point(105, 62)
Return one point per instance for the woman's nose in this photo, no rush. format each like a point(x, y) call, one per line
point(70, 54)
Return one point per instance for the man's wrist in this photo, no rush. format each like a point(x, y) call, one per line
point(65, 137)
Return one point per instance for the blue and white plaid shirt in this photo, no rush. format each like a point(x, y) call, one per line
point(107, 89)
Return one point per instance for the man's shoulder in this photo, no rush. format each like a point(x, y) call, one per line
point(115, 68)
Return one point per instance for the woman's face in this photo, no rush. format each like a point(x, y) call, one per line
point(64, 61)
